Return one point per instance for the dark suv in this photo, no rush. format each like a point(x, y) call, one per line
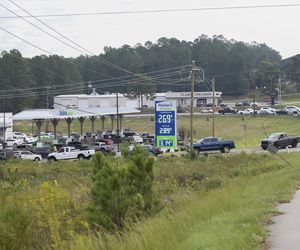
point(227, 110)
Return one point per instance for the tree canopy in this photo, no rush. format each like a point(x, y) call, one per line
point(236, 66)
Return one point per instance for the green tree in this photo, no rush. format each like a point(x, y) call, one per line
point(122, 192)
point(15, 74)
point(141, 88)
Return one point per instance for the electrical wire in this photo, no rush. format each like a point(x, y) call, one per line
point(159, 11)
point(58, 90)
point(95, 81)
point(105, 62)
point(137, 75)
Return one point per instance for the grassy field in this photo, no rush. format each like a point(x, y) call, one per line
point(213, 202)
point(246, 132)
point(291, 98)
point(232, 215)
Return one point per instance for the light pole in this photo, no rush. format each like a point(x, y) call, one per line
point(213, 82)
point(118, 128)
point(192, 109)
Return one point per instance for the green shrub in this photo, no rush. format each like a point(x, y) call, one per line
point(122, 191)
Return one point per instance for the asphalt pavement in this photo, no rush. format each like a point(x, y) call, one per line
point(284, 233)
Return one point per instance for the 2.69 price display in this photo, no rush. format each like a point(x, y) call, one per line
point(165, 118)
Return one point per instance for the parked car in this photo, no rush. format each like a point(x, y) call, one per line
point(281, 112)
point(228, 110)
point(128, 134)
point(6, 154)
point(27, 155)
point(75, 144)
point(43, 151)
point(66, 153)
point(102, 147)
point(206, 111)
point(213, 143)
point(13, 142)
point(19, 135)
point(291, 109)
point(24, 147)
point(267, 111)
point(247, 111)
point(4, 144)
point(280, 140)
point(152, 149)
point(30, 139)
point(136, 139)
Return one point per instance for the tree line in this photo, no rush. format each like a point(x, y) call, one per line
point(237, 67)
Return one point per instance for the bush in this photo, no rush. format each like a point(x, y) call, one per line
point(122, 191)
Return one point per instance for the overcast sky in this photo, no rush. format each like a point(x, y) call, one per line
point(277, 27)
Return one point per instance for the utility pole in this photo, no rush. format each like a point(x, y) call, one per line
point(192, 107)
point(4, 126)
point(213, 82)
point(279, 90)
point(253, 95)
point(118, 129)
point(47, 122)
point(47, 97)
point(254, 103)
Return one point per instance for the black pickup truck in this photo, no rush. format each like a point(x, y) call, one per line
point(280, 140)
point(213, 143)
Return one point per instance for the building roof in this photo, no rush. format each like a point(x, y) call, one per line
point(89, 96)
point(70, 113)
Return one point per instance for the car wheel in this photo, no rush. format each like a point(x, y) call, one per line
point(51, 159)
point(36, 159)
point(226, 149)
point(294, 144)
point(80, 157)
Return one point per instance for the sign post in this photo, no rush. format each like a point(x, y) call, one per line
point(165, 124)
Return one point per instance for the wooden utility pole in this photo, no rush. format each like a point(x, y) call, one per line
point(254, 103)
point(253, 95)
point(213, 82)
point(279, 90)
point(118, 127)
point(192, 107)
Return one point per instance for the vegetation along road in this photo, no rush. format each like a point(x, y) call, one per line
point(219, 202)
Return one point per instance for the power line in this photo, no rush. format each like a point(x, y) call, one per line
point(47, 52)
point(159, 76)
point(105, 62)
point(158, 11)
point(59, 90)
point(81, 50)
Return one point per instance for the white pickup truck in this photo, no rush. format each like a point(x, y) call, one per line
point(66, 153)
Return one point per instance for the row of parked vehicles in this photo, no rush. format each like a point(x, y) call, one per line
point(274, 142)
point(75, 147)
point(288, 110)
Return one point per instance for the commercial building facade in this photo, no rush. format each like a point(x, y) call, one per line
point(6, 126)
point(182, 99)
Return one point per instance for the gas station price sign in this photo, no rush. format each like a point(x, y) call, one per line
point(165, 124)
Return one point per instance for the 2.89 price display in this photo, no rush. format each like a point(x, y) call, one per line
point(165, 131)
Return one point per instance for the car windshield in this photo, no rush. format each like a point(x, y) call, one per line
point(274, 136)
